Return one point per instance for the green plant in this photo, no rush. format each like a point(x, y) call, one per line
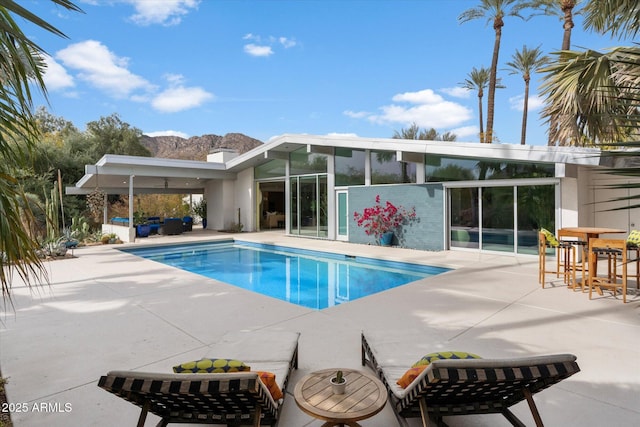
point(339, 378)
point(68, 238)
point(81, 228)
point(139, 217)
point(109, 238)
point(200, 209)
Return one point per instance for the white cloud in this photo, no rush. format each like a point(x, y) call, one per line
point(287, 42)
point(101, 68)
point(517, 103)
point(168, 133)
point(178, 97)
point(465, 131)
point(56, 77)
point(426, 109)
point(256, 50)
point(263, 46)
point(356, 114)
point(456, 92)
point(164, 12)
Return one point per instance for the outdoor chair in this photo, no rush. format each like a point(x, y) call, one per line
point(579, 241)
point(615, 251)
point(565, 258)
point(230, 398)
point(452, 387)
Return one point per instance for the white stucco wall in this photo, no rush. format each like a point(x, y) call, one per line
point(569, 203)
point(216, 204)
point(224, 197)
point(605, 209)
point(245, 200)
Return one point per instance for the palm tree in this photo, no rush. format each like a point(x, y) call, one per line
point(526, 62)
point(618, 17)
point(495, 11)
point(598, 93)
point(595, 94)
point(478, 80)
point(21, 66)
point(414, 132)
point(565, 10)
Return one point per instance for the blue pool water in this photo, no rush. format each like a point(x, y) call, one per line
point(308, 278)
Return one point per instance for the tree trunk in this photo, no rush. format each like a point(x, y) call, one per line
point(567, 7)
point(497, 26)
point(525, 110)
point(480, 95)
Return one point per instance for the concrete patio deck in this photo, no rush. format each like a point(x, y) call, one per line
point(108, 310)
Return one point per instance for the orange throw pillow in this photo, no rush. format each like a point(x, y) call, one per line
point(410, 375)
point(269, 380)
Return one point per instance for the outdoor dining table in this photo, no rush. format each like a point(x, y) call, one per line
point(587, 234)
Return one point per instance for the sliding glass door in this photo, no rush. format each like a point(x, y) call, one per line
point(500, 218)
point(309, 205)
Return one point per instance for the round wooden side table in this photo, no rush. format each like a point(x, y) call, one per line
point(364, 397)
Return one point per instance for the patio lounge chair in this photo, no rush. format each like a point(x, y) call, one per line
point(234, 398)
point(464, 386)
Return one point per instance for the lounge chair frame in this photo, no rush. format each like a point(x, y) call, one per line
point(474, 386)
point(233, 399)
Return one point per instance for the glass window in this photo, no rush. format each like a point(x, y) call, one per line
point(271, 169)
point(441, 168)
point(303, 163)
point(465, 218)
point(536, 209)
point(497, 219)
point(349, 166)
point(385, 169)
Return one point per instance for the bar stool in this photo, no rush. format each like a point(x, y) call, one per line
point(582, 246)
point(633, 252)
point(614, 249)
point(565, 258)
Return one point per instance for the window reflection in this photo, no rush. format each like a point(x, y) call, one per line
point(441, 168)
point(349, 165)
point(385, 169)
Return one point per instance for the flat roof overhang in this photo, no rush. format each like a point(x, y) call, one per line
point(414, 150)
point(150, 175)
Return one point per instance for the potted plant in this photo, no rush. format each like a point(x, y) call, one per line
point(338, 383)
point(143, 228)
point(382, 220)
point(200, 209)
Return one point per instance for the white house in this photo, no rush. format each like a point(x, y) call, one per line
point(467, 196)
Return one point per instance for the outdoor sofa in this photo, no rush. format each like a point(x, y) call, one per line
point(171, 226)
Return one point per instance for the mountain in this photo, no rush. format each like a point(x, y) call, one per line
point(196, 147)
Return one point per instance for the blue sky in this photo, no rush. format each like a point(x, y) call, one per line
point(268, 67)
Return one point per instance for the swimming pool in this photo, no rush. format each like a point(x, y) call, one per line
point(308, 278)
